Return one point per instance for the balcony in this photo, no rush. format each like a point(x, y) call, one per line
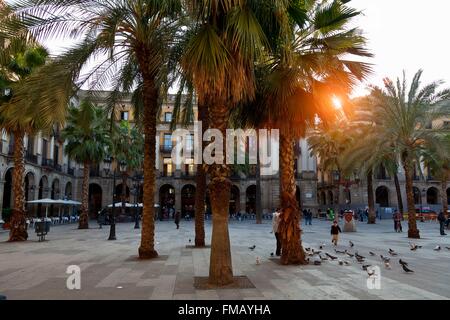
point(47, 163)
point(166, 174)
point(31, 158)
point(166, 148)
point(187, 174)
point(57, 167)
point(71, 171)
point(94, 172)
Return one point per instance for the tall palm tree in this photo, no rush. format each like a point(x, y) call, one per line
point(294, 89)
point(226, 38)
point(127, 145)
point(437, 161)
point(87, 142)
point(132, 40)
point(19, 57)
point(402, 117)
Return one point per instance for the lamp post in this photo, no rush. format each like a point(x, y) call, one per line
point(112, 219)
point(136, 200)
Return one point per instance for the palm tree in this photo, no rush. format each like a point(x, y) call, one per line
point(87, 142)
point(19, 57)
point(437, 161)
point(131, 40)
point(225, 39)
point(127, 146)
point(402, 118)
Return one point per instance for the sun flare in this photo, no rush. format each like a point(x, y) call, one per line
point(337, 103)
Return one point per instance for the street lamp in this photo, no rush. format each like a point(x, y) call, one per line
point(112, 219)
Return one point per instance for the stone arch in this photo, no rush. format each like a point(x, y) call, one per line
point(167, 201)
point(432, 195)
point(7, 188)
point(323, 198)
point(297, 196)
point(382, 196)
point(235, 199)
point(417, 195)
point(29, 186)
point(68, 190)
point(118, 193)
point(250, 203)
point(95, 199)
point(330, 197)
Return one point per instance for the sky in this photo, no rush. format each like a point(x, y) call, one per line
point(406, 35)
point(402, 34)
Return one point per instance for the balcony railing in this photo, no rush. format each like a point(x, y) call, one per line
point(166, 174)
point(94, 172)
point(57, 167)
point(31, 158)
point(71, 171)
point(187, 174)
point(47, 162)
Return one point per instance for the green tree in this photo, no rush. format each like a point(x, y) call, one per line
point(87, 140)
point(132, 41)
point(403, 117)
point(20, 56)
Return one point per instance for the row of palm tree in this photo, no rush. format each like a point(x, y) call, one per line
point(393, 126)
point(277, 59)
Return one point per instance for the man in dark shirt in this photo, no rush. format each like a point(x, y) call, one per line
point(335, 230)
point(441, 219)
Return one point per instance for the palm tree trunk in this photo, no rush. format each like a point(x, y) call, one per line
point(289, 227)
point(18, 231)
point(150, 101)
point(124, 192)
point(413, 232)
point(399, 193)
point(370, 198)
point(200, 191)
point(220, 267)
point(84, 217)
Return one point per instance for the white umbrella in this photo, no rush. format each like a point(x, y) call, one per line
point(129, 205)
point(48, 201)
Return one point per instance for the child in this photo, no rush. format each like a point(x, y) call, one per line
point(335, 229)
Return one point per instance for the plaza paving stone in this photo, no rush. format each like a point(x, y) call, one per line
point(111, 270)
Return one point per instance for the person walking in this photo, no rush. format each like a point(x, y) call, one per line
point(335, 230)
point(310, 216)
point(441, 219)
point(177, 219)
point(275, 225)
point(397, 217)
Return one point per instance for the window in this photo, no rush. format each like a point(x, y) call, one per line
point(167, 140)
point(124, 115)
point(189, 165)
point(168, 167)
point(190, 143)
point(44, 148)
point(168, 117)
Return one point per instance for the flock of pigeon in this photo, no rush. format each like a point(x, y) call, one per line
point(386, 260)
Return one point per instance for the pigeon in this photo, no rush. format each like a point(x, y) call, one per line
point(317, 262)
point(323, 258)
point(252, 247)
point(448, 248)
point(316, 252)
point(392, 252)
point(437, 248)
point(387, 265)
point(330, 256)
point(365, 266)
point(358, 256)
point(346, 263)
point(360, 259)
point(371, 253)
point(414, 246)
point(321, 246)
point(351, 244)
point(405, 268)
point(370, 273)
point(340, 252)
point(341, 263)
point(190, 240)
point(271, 254)
point(385, 259)
point(307, 249)
point(349, 254)
point(403, 263)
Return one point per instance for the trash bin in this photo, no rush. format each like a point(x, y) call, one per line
point(42, 228)
point(349, 221)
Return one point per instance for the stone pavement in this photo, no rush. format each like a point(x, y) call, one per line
point(111, 270)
